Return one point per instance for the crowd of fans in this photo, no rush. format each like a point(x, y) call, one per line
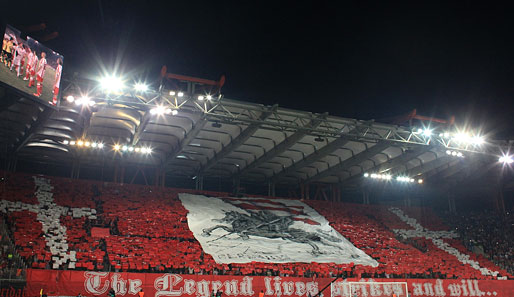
point(487, 233)
point(147, 231)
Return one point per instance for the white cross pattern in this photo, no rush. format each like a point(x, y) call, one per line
point(48, 214)
point(436, 238)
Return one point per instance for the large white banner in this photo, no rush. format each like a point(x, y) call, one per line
point(242, 230)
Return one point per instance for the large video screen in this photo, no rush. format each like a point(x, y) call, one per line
point(30, 67)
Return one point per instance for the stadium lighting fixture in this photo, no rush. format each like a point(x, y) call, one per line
point(65, 142)
point(111, 83)
point(137, 150)
point(100, 145)
point(116, 147)
point(459, 154)
point(174, 112)
point(172, 93)
point(200, 98)
point(454, 153)
point(366, 174)
point(420, 130)
point(124, 148)
point(87, 143)
point(130, 149)
point(94, 145)
point(506, 159)
point(477, 140)
point(448, 152)
point(427, 132)
point(160, 110)
point(80, 143)
point(180, 94)
point(72, 142)
point(70, 98)
point(420, 181)
point(209, 97)
point(411, 180)
point(140, 87)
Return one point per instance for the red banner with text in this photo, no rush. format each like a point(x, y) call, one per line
point(89, 283)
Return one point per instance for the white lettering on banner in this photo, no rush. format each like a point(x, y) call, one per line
point(164, 285)
point(118, 284)
point(216, 285)
point(312, 288)
point(288, 288)
point(189, 286)
point(134, 286)
point(202, 288)
point(300, 288)
point(439, 290)
point(93, 282)
point(246, 287)
point(231, 288)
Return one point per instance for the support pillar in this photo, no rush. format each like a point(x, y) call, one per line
point(365, 196)
point(236, 184)
point(199, 183)
point(271, 189)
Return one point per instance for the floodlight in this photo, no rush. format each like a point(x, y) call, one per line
point(72, 142)
point(459, 154)
point(477, 140)
point(140, 87)
point(200, 98)
point(100, 145)
point(446, 134)
point(411, 180)
point(462, 137)
point(209, 97)
point(427, 132)
point(70, 98)
point(174, 112)
point(87, 143)
point(366, 174)
point(448, 152)
point(420, 181)
point(137, 149)
point(84, 100)
point(124, 148)
point(94, 144)
point(130, 149)
point(387, 176)
point(111, 83)
point(454, 153)
point(399, 178)
point(172, 93)
point(80, 143)
point(506, 159)
point(373, 175)
point(180, 94)
point(420, 130)
point(168, 110)
point(159, 110)
point(65, 142)
point(116, 147)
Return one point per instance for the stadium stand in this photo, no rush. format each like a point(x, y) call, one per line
point(144, 229)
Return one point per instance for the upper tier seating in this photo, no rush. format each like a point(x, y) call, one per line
point(148, 231)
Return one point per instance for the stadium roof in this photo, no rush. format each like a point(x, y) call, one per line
point(229, 139)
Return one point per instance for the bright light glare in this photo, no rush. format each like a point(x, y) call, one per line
point(137, 149)
point(140, 87)
point(200, 98)
point(111, 83)
point(70, 98)
point(87, 143)
point(420, 181)
point(448, 152)
point(116, 147)
point(100, 145)
point(172, 93)
point(80, 143)
point(85, 100)
point(506, 159)
point(94, 144)
point(131, 149)
point(180, 94)
point(174, 112)
point(124, 148)
point(65, 142)
point(477, 140)
point(209, 97)
point(462, 137)
point(72, 142)
point(427, 132)
point(366, 174)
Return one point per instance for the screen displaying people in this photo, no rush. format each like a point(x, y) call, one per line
point(30, 67)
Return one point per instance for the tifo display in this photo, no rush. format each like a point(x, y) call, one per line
point(101, 227)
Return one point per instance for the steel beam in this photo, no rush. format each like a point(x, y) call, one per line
point(284, 145)
point(352, 161)
point(197, 127)
point(141, 128)
point(238, 141)
point(42, 117)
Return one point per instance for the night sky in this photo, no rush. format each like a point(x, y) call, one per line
point(358, 60)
